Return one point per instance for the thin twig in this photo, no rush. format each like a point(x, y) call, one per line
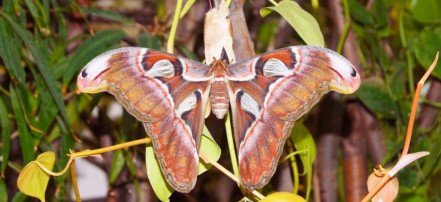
point(377, 188)
point(227, 173)
point(415, 106)
point(75, 155)
point(74, 181)
point(420, 84)
point(111, 148)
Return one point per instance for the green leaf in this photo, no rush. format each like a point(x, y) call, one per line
point(6, 136)
point(425, 48)
point(107, 14)
point(303, 141)
point(149, 41)
point(19, 197)
point(427, 11)
point(132, 170)
point(377, 100)
point(283, 197)
point(3, 191)
point(25, 138)
point(359, 13)
point(210, 148)
point(160, 186)
point(89, 49)
point(48, 109)
point(59, 67)
point(61, 24)
point(34, 12)
point(32, 180)
point(9, 53)
point(117, 165)
point(266, 33)
point(397, 81)
point(303, 22)
point(435, 155)
point(67, 144)
point(127, 126)
point(42, 66)
point(186, 51)
point(380, 13)
point(9, 5)
point(407, 177)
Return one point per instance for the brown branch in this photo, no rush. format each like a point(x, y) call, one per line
point(350, 45)
point(242, 43)
point(374, 137)
point(329, 132)
point(354, 156)
point(326, 167)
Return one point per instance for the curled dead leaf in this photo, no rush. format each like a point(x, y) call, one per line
point(388, 192)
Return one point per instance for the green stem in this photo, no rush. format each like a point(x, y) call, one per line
point(347, 25)
point(409, 61)
point(346, 10)
point(171, 37)
point(5, 91)
point(17, 168)
point(343, 38)
point(431, 103)
point(291, 154)
point(295, 170)
point(231, 144)
point(187, 7)
point(228, 2)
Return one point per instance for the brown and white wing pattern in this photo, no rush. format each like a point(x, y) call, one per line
point(271, 91)
point(165, 92)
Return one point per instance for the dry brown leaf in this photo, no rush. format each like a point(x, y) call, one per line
point(218, 34)
point(388, 192)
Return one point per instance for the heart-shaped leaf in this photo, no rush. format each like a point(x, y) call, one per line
point(32, 180)
point(210, 148)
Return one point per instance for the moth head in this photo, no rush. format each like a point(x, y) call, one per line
point(91, 78)
point(346, 77)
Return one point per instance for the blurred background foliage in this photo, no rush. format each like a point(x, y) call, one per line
point(44, 44)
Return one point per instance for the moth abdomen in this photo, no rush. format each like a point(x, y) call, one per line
point(219, 99)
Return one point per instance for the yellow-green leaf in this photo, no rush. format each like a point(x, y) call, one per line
point(303, 22)
point(160, 186)
point(283, 197)
point(32, 180)
point(156, 178)
point(303, 141)
point(210, 148)
point(3, 191)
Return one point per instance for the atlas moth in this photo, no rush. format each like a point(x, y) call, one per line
point(170, 95)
